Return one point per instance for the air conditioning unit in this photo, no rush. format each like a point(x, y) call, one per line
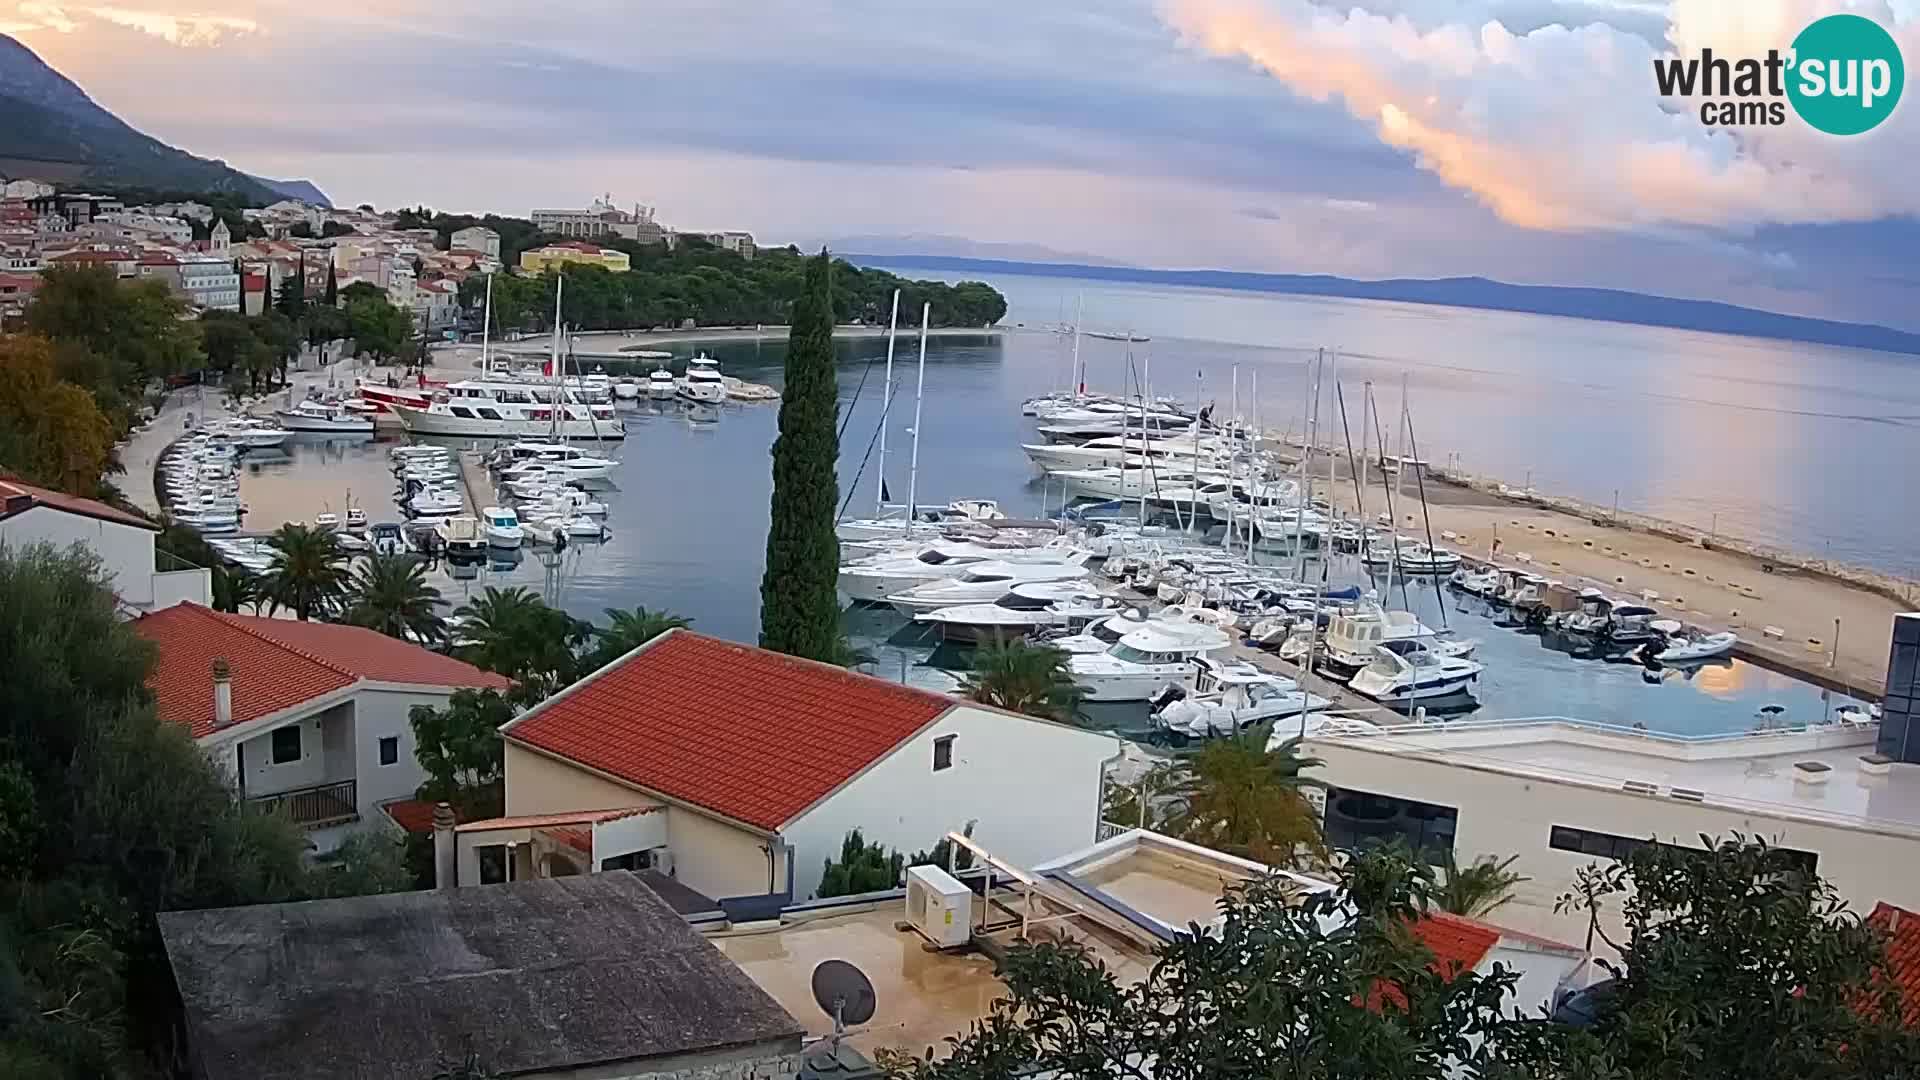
point(661, 859)
point(939, 907)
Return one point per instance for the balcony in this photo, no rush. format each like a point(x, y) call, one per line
point(314, 807)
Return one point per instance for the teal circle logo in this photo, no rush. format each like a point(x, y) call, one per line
point(1846, 74)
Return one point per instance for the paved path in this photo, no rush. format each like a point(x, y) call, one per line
point(138, 455)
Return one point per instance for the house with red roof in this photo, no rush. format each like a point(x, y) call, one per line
point(123, 542)
point(753, 766)
point(307, 718)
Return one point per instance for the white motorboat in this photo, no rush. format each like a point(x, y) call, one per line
point(1098, 636)
point(502, 526)
point(488, 409)
point(626, 388)
point(878, 580)
point(1228, 698)
point(661, 385)
point(1023, 611)
point(1113, 451)
point(209, 520)
point(388, 540)
point(1679, 643)
point(704, 382)
point(983, 583)
point(571, 462)
point(324, 418)
point(1408, 670)
point(1128, 483)
point(893, 525)
point(573, 527)
point(248, 552)
point(1411, 557)
point(354, 543)
point(565, 502)
point(462, 536)
point(327, 520)
point(1521, 589)
point(252, 434)
point(356, 520)
point(1481, 582)
point(1146, 661)
point(1353, 634)
point(436, 501)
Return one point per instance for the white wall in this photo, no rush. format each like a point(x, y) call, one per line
point(379, 713)
point(719, 859)
point(1503, 815)
point(538, 784)
point(262, 777)
point(1033, 787)
point(180, 586)
point(126, 550)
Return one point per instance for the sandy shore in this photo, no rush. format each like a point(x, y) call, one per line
point(1710, 587)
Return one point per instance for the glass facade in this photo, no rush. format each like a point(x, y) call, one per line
point(1900, 719)
point(1359, 819)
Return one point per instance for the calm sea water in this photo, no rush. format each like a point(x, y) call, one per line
point(1794, 444)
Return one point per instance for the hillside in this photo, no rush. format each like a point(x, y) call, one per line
point(1608, 305)
point(53, 131)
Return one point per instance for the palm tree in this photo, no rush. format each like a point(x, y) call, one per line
point(309, 570)
point(628, 630)
point(390, 593)
point(235, 587)
point(1242, 794)
point(1478, 889)
point(513, 632)
point(1025, 678)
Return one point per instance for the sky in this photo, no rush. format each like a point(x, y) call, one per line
point(1517, 139)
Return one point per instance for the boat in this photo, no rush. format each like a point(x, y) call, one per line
point(1631, 624)
point(983, 583)
point(1023, 611)
point(573, 527)
point(351, 542)
point(1098, 636)
point(1147, 660)
point(327, 520)
point(1679, 643)
point(626, 388)
point(387, 539)
point(502, 527)
point(704, 382)
point(1412, 557)
point(893, 525)
point(741, 390)
point(252, 434)
point(436, 501)
point(462, 536)
point(321, 417)
point(356, 520)
point(570, 462)
point(383, 398)
point(1410, 670)
point(209, 520)
point(1475, 582)
point(1109, 335)
point(876, 581)
point(485, 409)
point(1353, 634)
point(1228, 698)
point(661, 385)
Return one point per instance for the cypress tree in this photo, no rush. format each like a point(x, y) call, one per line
point(799, 607)
point(292, 300)
point(333, 285)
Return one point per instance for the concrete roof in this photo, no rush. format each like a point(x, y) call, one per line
point(533, 976)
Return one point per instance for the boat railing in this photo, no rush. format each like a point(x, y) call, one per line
point(1839, 733)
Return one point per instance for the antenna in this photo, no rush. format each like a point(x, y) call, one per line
point(843, 992)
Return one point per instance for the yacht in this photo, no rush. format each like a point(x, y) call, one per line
point(626, 388)
point(1412, 557)
point(319, 416)
point(388, 540)
point(503, 527)
point(436, 502)
point(575, 463)
point(1113, 451)
point(1099, 635)
point(356, 520)
point(877, 581)
point(462, 536)
point(661, 385)
point(1408, 671)
point(1023, 611)
point(1229, 697)
point(501, 410)
point(327, 520)
point(892, 525)
point(704, 382)
point(1128, 483)
point(252, 434)
point(982, 583)
point(1352, 635)
point(1146, 661)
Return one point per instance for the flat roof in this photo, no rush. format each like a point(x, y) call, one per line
point(1747, 773)
point(535, 976)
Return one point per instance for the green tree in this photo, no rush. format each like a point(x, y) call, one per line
point(1479, 889)
point(1739, 962)
point(362, 290)
point(628, 630)
point(1025, 678)
point(799, 602)
point(459, 746)
point(332, 296)
point(1283, 987)
point(51, 432)
point(391, 594)
point(309, 571)
point(513, 632)
point(138, 328)
point(364, 864)
point(862, 868)
point(1241, 794)
point(378, 329)
point(236, 587)
point(331, 229)
point(292, 299)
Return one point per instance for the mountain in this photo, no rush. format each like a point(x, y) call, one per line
point(1607, 305)
point(304, 190)
point(53, 131)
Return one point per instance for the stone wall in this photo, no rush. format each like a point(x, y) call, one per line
point(765, 1061)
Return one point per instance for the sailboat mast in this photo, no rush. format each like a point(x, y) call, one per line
point(1079, 378)
point(1309, 418)
point(1146, 394)
point(1233, 432)
point(1255, 469)
point(919, 394)
point(486, 330)
point(559, 384)
point(1193, 503)
point(886, 409)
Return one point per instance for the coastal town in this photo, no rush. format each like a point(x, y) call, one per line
point(745, 633)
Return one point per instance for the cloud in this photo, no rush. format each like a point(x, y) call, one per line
point(1560, 128)
point(187, 30)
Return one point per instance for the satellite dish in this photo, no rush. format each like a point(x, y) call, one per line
point(843, 992)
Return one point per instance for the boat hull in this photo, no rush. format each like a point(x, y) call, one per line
point(422, 422)
point(345, 425)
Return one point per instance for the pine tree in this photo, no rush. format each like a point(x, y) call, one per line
point(333, 286)
point(799, 607)
point(292, 301)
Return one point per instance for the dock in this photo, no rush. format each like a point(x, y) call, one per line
point(475, 481)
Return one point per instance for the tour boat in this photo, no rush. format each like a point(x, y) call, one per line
point(982, 583)
point(383, 398)
point(324, 418)
point(661, 385)
point(496, 410)
point(704, 382)
point(1408, 670)
point(1147, 661)
point(503, 527)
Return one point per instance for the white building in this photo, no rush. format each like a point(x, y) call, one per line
point(210, 281)
point(25, 189)
point(192, 211)
point(123, 542)
point(477, 238)
point(1563, 795)
point(220, 238)
point(740, 771)
point(436, 304)
point(740, 243)
point(312, 719)
point(603, 219)
point(133, 225)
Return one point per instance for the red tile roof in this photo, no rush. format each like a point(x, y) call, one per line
point(11, 491)
point(279, 663)
point(548, 821)
point(752, 735)
point(1458, 945)
point(1902, 928)
point(412, 815)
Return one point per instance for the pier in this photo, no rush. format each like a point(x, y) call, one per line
point(474, 481)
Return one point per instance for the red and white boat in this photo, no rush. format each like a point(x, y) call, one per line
point(383, 398)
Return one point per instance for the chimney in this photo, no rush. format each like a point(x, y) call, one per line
point(445, 858)
point(222, 694)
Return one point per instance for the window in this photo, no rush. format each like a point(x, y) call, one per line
point(286, 744)
point(1361, 819)
point(943, 752)
point(462, 413)
point(1608, 846)
point(488, 414)
point(390, 750)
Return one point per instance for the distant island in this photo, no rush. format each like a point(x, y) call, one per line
point(1608, 305)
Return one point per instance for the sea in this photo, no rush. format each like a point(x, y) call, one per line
point(1810, 448)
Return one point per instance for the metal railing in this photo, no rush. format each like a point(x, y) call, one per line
point(314, 807)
